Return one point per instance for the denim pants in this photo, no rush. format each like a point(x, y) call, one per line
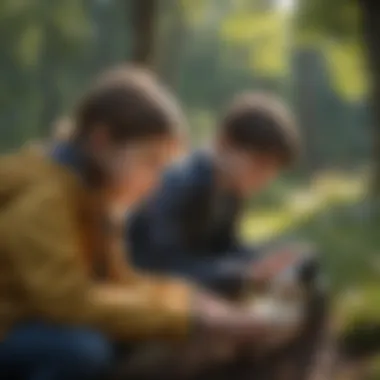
point(42, 351)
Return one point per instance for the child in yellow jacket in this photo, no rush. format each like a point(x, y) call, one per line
point(65, 290)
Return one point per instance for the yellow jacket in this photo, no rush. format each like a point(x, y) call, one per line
point(48, 236)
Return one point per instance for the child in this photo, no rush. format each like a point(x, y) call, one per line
point(188, 226)
point(66, 292)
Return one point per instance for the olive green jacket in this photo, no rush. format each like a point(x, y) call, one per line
point(48, 234)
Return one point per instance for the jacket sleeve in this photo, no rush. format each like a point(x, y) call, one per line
point(39, 232)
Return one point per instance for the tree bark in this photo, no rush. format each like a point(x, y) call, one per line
point(48, 76)
point(304, 70)
point(143, 30)
point(100, 12)
point(371, 32)
point(169, 59)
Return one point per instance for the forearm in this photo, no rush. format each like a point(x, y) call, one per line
point(221, 274)
point(145, 311)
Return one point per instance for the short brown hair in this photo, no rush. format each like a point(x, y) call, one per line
point(131, 104)
point(260, 122)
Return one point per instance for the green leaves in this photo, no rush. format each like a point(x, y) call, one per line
point(266, 37)
point(334, 28)
point(347, 69)
point(339, 19)
point(29, 44)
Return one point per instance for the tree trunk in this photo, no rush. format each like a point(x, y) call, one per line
point(305, 93)
point(143, 30)
point(48, 76)
point(371, 31)
point(169, 59)
point(100, 12)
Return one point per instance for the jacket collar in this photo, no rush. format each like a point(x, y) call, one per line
point(71, 156)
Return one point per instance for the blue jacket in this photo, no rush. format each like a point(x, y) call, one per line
point(187, 228)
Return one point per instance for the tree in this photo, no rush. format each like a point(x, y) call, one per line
point(43, 40)
point(351, 23)
point(47, 71)
point(305, 67)
point(371, 31)
point(143, 28)
point(174, 29)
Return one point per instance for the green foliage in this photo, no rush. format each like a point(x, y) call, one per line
point(330, 213)
point(358, 307)
point(37, 36)
point(339, 19)
point(346, 61)
point(334, 26)
point(29, 46)
point(265, 35)
point(49, 50)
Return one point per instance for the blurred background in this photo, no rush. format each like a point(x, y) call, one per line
point(319, 55)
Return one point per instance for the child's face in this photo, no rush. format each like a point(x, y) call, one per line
point(134, 170)
point(139, 170)
point(249, 173)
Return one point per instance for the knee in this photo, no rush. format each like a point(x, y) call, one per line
point(87, 352)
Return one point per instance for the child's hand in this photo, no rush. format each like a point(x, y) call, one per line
point(268, 268)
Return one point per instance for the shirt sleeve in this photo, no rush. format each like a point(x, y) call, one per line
point(165, 250)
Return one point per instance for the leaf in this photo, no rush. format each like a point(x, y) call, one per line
point(334, 19)
point(265, 35)
point(246, 27)
point(347, 71)
point(28, 48)
point(71, 21)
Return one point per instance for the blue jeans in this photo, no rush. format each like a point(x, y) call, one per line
point(42, 351)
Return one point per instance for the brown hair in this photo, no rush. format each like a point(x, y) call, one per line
point(131, 104)
point(260, 122)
